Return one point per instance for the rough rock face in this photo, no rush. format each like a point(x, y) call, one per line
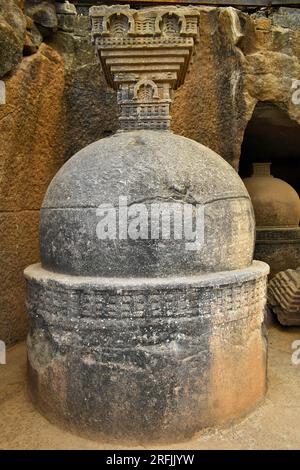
point(241, 59)
point(91, 108)
point(284, 296)
point(43, 13)
point(31, 151)
point(210, 107)
point(12, 35)
point(22, 28)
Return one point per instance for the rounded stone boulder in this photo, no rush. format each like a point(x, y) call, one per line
point(147, 172)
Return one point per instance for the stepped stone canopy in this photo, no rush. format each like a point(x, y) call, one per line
point(144, 55)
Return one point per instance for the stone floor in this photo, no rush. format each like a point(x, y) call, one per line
point(274, 425)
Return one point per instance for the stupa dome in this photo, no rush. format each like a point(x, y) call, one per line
point(145, 167)
point(275, 202)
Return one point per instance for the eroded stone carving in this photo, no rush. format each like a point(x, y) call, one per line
point(284, 296)
point(144, 55)
point(66, 16)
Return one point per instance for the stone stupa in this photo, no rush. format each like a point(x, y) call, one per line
point(277, 213)
point(137, 337)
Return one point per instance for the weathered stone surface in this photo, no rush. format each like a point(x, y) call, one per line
point(271, 66)
point(145, 166)
point(18, 247)
point(211, 105)
point(13, 14)
point(66, 16)
point(91, 108)
point(65, 8)
point(12, 35)
point(31, 141)
point(284, 296)
point(44, 122)
point(287, 18)
point(66, 22)
point(275, 203)
point(278, 247)
point(43, 13)
point(11, 48)
point(226, 80)
point(161, 351)
point(19, 34)
point(33, 40)
point(235, 75)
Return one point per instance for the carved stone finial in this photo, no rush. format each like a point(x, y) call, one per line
point(144, 55)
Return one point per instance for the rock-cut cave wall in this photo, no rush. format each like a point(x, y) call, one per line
point(57, 102)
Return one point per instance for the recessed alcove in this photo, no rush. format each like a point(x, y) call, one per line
point(272, 136)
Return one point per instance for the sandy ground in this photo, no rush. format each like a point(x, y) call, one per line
point(274, 425)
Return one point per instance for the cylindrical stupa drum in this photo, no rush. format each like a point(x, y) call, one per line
point(147, 307)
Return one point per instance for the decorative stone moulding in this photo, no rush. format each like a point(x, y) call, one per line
point(143, 339)
point(277, 212)
point(144, 55)
point(284, 296)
